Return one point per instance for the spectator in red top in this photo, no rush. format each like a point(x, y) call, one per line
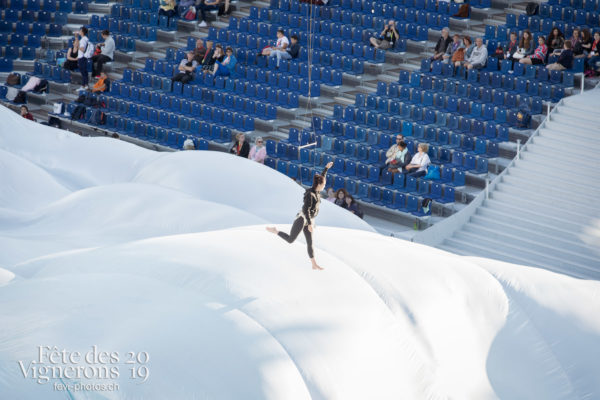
point(539, 55)
point(240, 147)
point(25, 113)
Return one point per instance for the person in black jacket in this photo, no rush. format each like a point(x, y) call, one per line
point(442, 45)
point(240, 147)
point(305, 218)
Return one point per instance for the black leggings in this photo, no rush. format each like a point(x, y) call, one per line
point(296, 228)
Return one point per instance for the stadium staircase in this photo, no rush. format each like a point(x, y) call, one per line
point(545, 212)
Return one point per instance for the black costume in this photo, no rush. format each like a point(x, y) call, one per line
point(310, 209)
point(243, 151)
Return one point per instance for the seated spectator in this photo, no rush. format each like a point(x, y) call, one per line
point(586, 41)
point(107, 54)
point(401, 159)
point(200, 51)
point(71, 61)
point(452, 49)
point(441, 45)
point(511, 47)
point(291, 52)
point(391, 152)
point(258, 152)
point(281, 44)
point(340, 197)
point(420, 161)
point(204, 7)
point(26, 114)
point(103, 84)
point(167, 8)
point(188, 144)
point(330, 195)
point(594, 55)
point(526, 46)
point(388, 37)
point(240, 146)
point(478, 57)
point(187, 66)
point(468, 46)
point(565, 59)
point(216, 55)
point(225, 67)
point(555, 41)
point(351, 205)
point(207, 60)
point(576, 43)
point(539, 56)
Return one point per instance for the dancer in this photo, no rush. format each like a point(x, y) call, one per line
point(305, 219)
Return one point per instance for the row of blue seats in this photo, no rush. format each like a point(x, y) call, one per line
point(369, 169)
point(589, 5)
point(53, 72)
point(480, 150)
point(548, 85)
point(444, 111)
point(37, 28)
point(143, 16)
point(254, 43)
point(145, 5)
point(386, 8)
point(17, 39)
point(472, 135)
point(146, 132)
point(376, 8)
point(245, 83)
point(569, 14)
point(396, 195)
point(33, 6)
point(543, 24)
point(17, 52)
point(137, 30)
point(445, 129)
point(348, 18)
point(44, 17)
point(257, 41)
point(176, 117)
point(192, 99)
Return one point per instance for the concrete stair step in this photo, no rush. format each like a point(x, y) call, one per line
point(559, 238)
point(536, 257)
point(469, 249)
point(555, 187)
point(519, 220)
point(505, 237)
point(511, 203)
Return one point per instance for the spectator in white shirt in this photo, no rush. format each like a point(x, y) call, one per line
point(108, 52)
point(86, 49)
point(420, 161)
point(478, 57)
point(281, 45)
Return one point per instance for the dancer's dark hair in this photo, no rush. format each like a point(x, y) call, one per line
point(317, 180)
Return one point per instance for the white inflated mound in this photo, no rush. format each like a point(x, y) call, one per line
point(105, 244)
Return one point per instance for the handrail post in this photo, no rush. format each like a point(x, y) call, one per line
point(518, 149)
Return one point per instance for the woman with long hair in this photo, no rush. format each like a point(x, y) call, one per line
point(555, 41)
point(305, 218)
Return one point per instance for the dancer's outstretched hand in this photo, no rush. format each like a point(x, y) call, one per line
point(329, 164)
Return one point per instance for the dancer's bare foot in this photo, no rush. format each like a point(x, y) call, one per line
point(315, 266)
point(272, 229)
